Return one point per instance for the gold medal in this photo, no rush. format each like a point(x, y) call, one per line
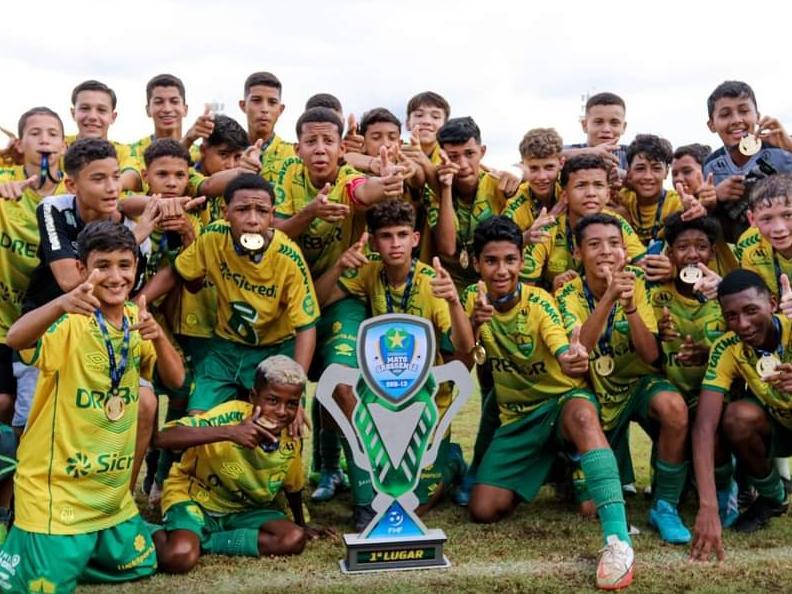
point(690, 275)
point(464, 259)
point(252, 242)
point(766, 365)
point(750, 145)
point(604, 365)
point(479, 354)
point(114, 407)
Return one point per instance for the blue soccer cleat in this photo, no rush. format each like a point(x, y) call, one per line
point(664, 518)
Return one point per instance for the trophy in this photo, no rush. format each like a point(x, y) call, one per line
point(394, 433)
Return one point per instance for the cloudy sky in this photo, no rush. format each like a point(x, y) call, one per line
point(510, 65)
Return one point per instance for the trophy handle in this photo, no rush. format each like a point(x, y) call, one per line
point(456, 372)
point(340, 374)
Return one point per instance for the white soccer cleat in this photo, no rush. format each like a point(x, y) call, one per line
point(615, 567)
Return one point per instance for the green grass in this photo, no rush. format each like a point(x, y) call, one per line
point(544, 547)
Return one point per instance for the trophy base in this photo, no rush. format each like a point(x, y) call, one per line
point(394, 554)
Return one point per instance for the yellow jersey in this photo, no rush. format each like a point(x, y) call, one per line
point(273, 158)
point(756, 253)
point(74, 463)
point(647, 220)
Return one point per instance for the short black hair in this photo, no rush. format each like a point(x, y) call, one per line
point(166, 147)
point(376, 116)
point(581, 163)
point(41, 110)
point(699, 152)
point(605, 99)
point(675, 225)
point(389, 213)
point(324, 100)
point(734, 89)
point(165, 80)
point(94, 85)
point(599, 218)
point(85, 151)
point(229, 132)
point(319, 115)
point(430, 99)
point(459, 131)
point(770, 188)
point(740, 280)
point(247, 181)
point(105, 236)
point(263, 79)
point(497, 228)
point(652, 147)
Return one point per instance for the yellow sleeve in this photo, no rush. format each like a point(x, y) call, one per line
point(302, 305)
point(191, 263)
point(355, 281)
point(51, 351)
point(569, 305)
point(148, 358)
point(551, 326)
point(641, 300)
point(722, 367)
point(534, 259)
point(469, 299)
point(518, 209)
point(295, 479)
point(195, 182)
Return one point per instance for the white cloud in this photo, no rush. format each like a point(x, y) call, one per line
point(511, 66)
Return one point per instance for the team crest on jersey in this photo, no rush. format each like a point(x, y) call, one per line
point(622, 326)
point(526, 345)
point(308, 305)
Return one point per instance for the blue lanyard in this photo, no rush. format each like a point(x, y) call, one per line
point(407, 289)
point(658, 215)
point(116, 371)
point(498, 301)
point(604, 340)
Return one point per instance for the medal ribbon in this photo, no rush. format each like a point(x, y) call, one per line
point(465, 235)
point(407, 289)
point(498, 301)
point(603, 343)
point(116, 370)
point(779, 350)
point(658, 215)
point(570, 241)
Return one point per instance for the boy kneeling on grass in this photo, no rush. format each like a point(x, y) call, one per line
point(239, 455)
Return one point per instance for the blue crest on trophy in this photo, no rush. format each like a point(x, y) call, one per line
point(395, 355)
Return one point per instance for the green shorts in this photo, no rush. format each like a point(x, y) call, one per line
point(439, 473)
point(195, 350)
point(33, 562)
point(636, 409)
point(522, 452)
point(336, 334)
point(228, 369)
point(780, 445)
point(189, 515)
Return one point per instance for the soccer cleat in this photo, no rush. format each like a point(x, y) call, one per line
point(746, 496)
point(462, 494)
point(728, 510)
point(615, 567)
point(758, 514)
point(664, 518)
point(629, 490)
point(330, 481)
point(362, 516)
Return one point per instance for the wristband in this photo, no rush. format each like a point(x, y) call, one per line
point(628, 312)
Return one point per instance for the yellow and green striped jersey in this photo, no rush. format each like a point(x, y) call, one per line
point(756, 253)
point(613, 391)
point(522, 345)
point(225, 477)
point(74, 464)
point(273, 158)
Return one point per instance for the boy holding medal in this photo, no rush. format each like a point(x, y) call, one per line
point(396, 282)
point(618, 325)
point(210, 510)
point(76, 520)
point(757, 428)
point(540, 403)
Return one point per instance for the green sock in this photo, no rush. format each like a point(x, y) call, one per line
point(769, 487)
point(669, 481)
point(602, 478)
point(359, 479)
point(723, 476)
point(330, 447)
point(240, 542)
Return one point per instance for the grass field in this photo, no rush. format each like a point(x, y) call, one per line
point(544, 547)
